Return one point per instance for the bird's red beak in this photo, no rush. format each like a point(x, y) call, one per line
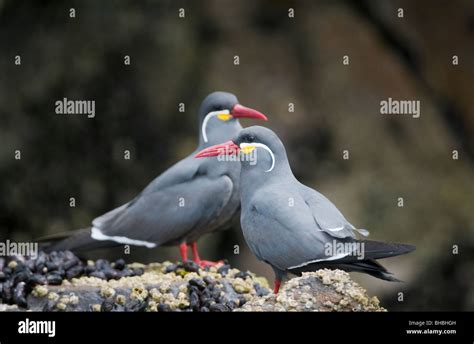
point(223, 149)
point(240, 111)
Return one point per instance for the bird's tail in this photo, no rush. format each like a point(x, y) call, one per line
point(371, 250)
point(370, 267)
point(76, 241)
point(378, 249)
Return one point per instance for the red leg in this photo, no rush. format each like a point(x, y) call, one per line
point(183, 248)
point(198, 260)
point(277, 285)
point(194, 249)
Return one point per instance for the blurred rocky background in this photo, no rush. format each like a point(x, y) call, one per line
point(282, 60)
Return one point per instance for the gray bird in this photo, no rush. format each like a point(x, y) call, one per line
point(191, 198)
point(289, 225)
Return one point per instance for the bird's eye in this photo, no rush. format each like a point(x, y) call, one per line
point(250, 138)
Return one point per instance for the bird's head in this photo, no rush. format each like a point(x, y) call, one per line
point(256, 147)
point(221, 110)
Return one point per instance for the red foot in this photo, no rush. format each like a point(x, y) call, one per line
point(202, 263)
point(277, 286)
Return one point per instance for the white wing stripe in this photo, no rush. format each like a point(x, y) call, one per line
point(96, 234)
point(335, 257)
point(336, 229)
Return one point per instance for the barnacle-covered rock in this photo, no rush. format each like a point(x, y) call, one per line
point(62, 282)
point(160, 287)
point(323, 290)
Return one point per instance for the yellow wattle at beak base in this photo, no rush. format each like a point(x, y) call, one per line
point(247, 149)
point(224, 116)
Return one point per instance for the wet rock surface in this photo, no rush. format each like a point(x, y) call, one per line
point(20, 275)
point(62, 282)
point(165, 287)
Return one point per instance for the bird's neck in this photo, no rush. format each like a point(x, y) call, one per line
point(252, 178)
point(219, 132)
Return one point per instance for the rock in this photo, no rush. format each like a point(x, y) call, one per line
point(9, 308)
point(241, 286)
point(323, 290)
point(20, 275)
point(157, 289)
point(197, 282)
point(95, 307)
point(113, 287)
point(12, 264)
point(119, 264)
point(107, 292)
point(40, 291)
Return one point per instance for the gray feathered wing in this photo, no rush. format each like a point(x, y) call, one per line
point(178, 201)
point(327, 216)
point(281, 232)
point(295, 238)
point(170, 207)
